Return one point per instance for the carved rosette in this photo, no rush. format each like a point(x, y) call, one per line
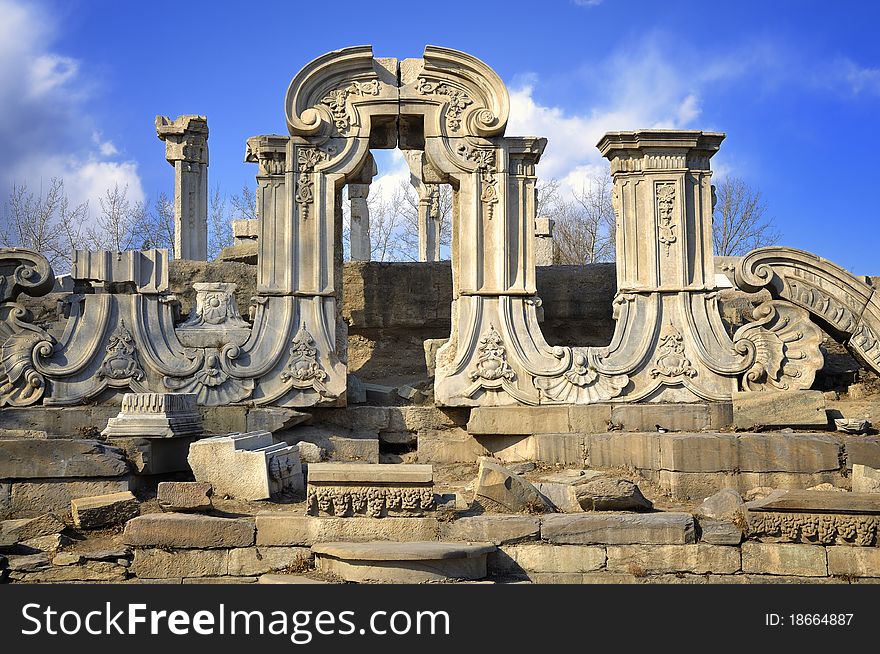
point(372, 501)
point(303, 371)
point(786, 345)
point(824, 528)
point(337, 102)
point(671, 362)
point(120, 366)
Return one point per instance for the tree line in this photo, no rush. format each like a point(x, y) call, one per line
point(584, 222)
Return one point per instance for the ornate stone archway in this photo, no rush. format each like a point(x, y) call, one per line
point(669, 343)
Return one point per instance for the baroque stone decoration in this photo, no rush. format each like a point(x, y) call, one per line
point(448, 112)
point(371, 490)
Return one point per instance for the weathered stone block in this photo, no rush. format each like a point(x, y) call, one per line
point(184, 495)
point(523, 420)
point(498, 490)
point(726, 503)
point(103, 510)
point(564, 449)
point(16, 531)
point(35, 498)
point(90, 571)
point(609, 494)
point(589, 418)
point(784, 452)
point(497, 529)
point(415, 562)
point(865, 479)
point(779, 409)
point(562, 496)
point(252, 561)
point(784, 559)
point(353, 449)
point(653, 559)
point(618, 529)
point(162, 564)
point(28, 458)
point(853, 561)
point(864, 450)
point(184, 530)
point(719, 532)
point(449, 446)
point(281, 529)
point(247, 466)
point(274, 419)
point(539, 557)
point(674, 417)
point(697, 485)
point(624, 450)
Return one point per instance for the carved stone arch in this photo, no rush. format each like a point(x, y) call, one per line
point(846, 306)
point(457, 94)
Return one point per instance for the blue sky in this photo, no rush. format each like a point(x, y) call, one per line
point(795, 85)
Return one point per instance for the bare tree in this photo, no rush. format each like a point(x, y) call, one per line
point(158, 230)
point(584, 222)
point(244, 205)
point(43, 222)
point(120, 223)
point(740, 220)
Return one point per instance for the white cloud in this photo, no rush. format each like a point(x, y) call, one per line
point(587, 3)
point(46, 129)
point(634, 89)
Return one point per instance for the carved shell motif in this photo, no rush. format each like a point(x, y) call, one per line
point(786, 345)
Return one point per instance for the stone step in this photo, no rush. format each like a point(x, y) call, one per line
point(408, 563)
point(289, 579)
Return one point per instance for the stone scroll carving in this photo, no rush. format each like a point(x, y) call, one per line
point(844, 305)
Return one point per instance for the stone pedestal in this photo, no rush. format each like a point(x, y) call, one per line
point(155, 415)
point(247, 466)
point(186, 148)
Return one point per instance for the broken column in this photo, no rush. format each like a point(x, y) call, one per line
point(428, 208)
point(360, 222)
point(186, 148)
point(247, 466)
point(544, 247)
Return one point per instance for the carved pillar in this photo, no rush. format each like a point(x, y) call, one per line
point(669, 337)
point(186, 148)
point(429, 218)
point(360, 222)
point(269, 152)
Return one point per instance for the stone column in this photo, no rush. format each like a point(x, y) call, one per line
point(428, 207)
point(545, 249)
point(186, 148)
point(359, 238)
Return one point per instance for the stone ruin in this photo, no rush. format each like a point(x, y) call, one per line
point(677, 397)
